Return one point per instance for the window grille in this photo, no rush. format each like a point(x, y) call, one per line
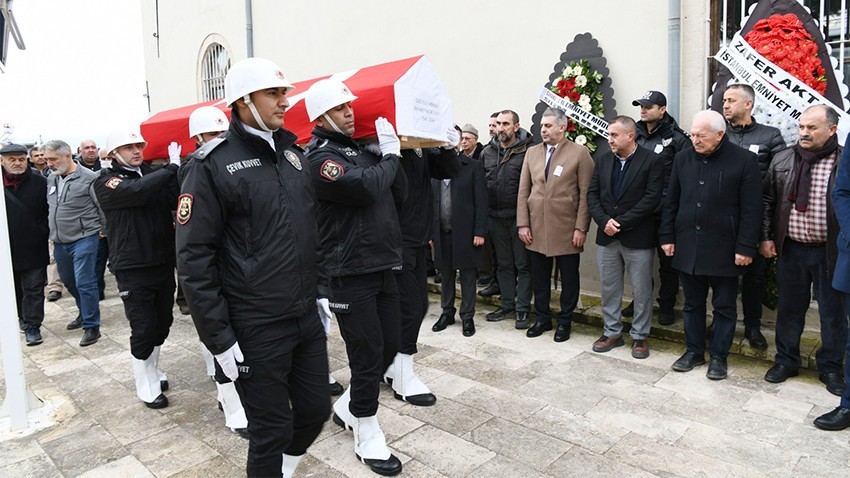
point(214, 67)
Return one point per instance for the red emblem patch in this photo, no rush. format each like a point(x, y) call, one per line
point(332, 170)
point(113, 183)
point(184, 208)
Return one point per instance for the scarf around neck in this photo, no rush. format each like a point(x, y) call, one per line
point(801, 187)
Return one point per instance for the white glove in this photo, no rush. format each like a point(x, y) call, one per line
point(227, 361)
point(324, 314)
point(453, 138)
point(373, 148)
point(387, 138)
point(174, 150)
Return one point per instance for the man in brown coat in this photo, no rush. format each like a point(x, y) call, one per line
point(553, 218)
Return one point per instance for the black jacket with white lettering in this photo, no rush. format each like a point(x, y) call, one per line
point(357, 192)
point(247, 243)
point(139, 223)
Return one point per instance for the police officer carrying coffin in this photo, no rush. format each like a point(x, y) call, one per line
point(360, 234)
point(249, 263)
point(137, 201)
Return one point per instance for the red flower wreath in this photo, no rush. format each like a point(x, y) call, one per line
point(783, 40)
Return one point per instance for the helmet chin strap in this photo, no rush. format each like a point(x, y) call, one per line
point(256, 114)
point(333, 125)
point(120, 159)
point(200, 139)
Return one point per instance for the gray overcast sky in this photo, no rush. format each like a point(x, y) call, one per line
point(82, 72)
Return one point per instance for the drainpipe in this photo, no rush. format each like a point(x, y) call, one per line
point(249, 28)
point(674, 29)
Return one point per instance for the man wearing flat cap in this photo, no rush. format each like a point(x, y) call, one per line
point(658, 132)
point(469, 144)
point(26, 215)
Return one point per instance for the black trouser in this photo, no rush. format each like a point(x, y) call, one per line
point(180, 299)
point(669, 288)
point(287, 365)
point(29, 295)
point(148, 295)
point(468, 278)
point(412, 282)
point(541, 283)
point(367, 310)
point(752, 291)
point(100, 265)
point(724, 291)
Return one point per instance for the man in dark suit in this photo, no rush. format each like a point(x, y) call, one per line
point(460, 224)
point(710, 225)
point(839, 418)
point(624, 191)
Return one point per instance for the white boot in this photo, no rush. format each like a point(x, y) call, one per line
point(290, 463)
point(234, 414)
point(389, 373)
point(370, 446)
point(148, 388)
point(208, 360)
point(342, 415)
point(163, 379)
point(407, 386)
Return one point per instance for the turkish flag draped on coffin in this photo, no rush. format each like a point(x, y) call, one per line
point(407, 92)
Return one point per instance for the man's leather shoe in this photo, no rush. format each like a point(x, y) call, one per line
point(444, 321)
point(500, 314)
point(336, 389)
point(605, 343)
point(629, 310)
point(779, 373)
point(438, 278)
point(522, 321)
point(640, 349)
point(666, 317)
point(838, 419)
point(716, 368)
point(688, 361)
point(90, 336)
point(54, 295)
point(468, 327)
point(163, 385)
point(243, 432)
point(184, 309)
point(75, 324)
point(834, 382)
point(159, 402)
point(33, 336)
point(490, 291)
point(754, 335)
point(562, 332)
point(542, 325)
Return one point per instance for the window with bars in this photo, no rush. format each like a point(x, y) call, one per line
point(831, 15)
point(214, 67)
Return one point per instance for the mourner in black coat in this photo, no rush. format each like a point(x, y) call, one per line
point(460, 225)
point(710, 225)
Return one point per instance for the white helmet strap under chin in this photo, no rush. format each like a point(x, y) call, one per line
point(120, 159)
point(333, 125)
point(200, 139)
point(256, 114)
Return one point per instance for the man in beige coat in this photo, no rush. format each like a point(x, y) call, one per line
point(553, 218)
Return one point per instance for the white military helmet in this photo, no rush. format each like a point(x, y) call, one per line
point(250, 75)
point(207, 119)
point(325, 95)
point(123, 137)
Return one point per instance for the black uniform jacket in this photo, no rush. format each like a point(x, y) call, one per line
point(416, 212)
point(27, 220)
point(357, 192)
point(139, 223)
point(247, 241)
point(469, 214)
point(666, 140)
point(634, 207)
point(713, 210)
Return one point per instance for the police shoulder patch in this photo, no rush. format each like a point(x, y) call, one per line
point(184, 208)
point(113, 183)
point(666, 142)
point(332, 170)
point(293, 159)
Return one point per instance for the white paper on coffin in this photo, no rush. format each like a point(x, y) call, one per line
point(423, 108)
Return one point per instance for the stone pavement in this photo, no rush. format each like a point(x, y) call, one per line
point(507, 406)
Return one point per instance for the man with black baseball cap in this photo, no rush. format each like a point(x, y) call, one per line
point(658, 132)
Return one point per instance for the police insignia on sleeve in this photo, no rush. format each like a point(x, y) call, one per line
point(184, 208)
point(293, 159)
point(332, 170)
point(113, 183)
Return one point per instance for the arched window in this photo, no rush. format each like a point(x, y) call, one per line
point(214, 66)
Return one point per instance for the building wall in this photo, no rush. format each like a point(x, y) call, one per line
point(489, 54)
